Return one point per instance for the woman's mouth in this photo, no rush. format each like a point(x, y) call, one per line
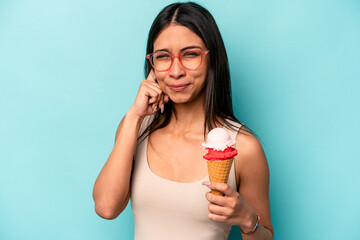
point(178, 87)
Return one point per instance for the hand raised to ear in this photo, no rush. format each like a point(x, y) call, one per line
point(150, 97)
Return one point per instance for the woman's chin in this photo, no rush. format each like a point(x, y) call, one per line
point(179, 100)
point(185, 98)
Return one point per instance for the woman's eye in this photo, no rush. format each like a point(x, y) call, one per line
point(162, 57)
point(190, 54)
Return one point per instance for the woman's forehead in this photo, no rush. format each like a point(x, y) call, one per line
point(176, 37)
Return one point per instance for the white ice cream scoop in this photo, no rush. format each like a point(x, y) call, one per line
point(218, 139)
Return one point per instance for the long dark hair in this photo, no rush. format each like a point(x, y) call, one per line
point(218, 101)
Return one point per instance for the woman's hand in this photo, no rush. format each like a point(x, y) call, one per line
point(150, 97)
point(230, 208)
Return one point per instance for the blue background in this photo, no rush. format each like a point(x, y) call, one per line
point(70, 70)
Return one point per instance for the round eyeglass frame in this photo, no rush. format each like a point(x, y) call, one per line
point(176, 55)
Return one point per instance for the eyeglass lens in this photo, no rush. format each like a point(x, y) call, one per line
point(190, 59)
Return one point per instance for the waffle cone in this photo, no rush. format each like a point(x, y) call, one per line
point(219, 172)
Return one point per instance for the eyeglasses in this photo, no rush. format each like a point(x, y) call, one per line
point(190, 59)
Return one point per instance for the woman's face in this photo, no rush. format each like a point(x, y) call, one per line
point(180, 84)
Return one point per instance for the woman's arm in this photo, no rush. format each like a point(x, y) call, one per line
point(240, 208)
point(111, 191)
point(112, 187)
point(253, 172)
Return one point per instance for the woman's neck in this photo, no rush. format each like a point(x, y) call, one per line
point(189, 117)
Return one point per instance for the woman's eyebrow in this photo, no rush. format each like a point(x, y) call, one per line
point(162, 50)
point(190, 47)
point(183, 49)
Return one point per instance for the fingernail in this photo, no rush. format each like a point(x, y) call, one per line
point(155, 108)
point(206, 183)
point(162, 107)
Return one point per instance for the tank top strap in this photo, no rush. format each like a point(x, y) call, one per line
point(233, 133)
point(145, 123)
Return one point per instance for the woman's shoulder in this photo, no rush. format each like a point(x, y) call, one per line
point(251, 159)
point(241, 134)
point(250, 151)
point(247, 142)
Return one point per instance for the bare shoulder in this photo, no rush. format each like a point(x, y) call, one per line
point(250, 163)
point(249, 147)
point(249, 143)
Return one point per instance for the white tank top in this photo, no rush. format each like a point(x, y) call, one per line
point(164, 209)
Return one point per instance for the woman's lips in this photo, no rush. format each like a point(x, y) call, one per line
point(178, 87)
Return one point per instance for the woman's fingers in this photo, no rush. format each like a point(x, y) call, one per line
point(217, 218)
point(151, 76)
point(163, 100)
point(222, 187)
point(220, 210)
point(162, 107)
point(150, 97)
point(155, 98)
point(227, 200)
point(216, 199)
point(151, 91)
point(229, 208)
point(158, 100)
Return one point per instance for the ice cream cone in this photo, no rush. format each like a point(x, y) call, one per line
point(219, 172)
point(220, 155)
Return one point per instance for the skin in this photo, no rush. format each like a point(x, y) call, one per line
point(184, 163)
point(181, 138)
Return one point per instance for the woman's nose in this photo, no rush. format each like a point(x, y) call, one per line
point(176, 70)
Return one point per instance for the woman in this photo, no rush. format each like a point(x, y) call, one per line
point(157, 157)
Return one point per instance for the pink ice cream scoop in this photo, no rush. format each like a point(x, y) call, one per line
point(220, 145)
